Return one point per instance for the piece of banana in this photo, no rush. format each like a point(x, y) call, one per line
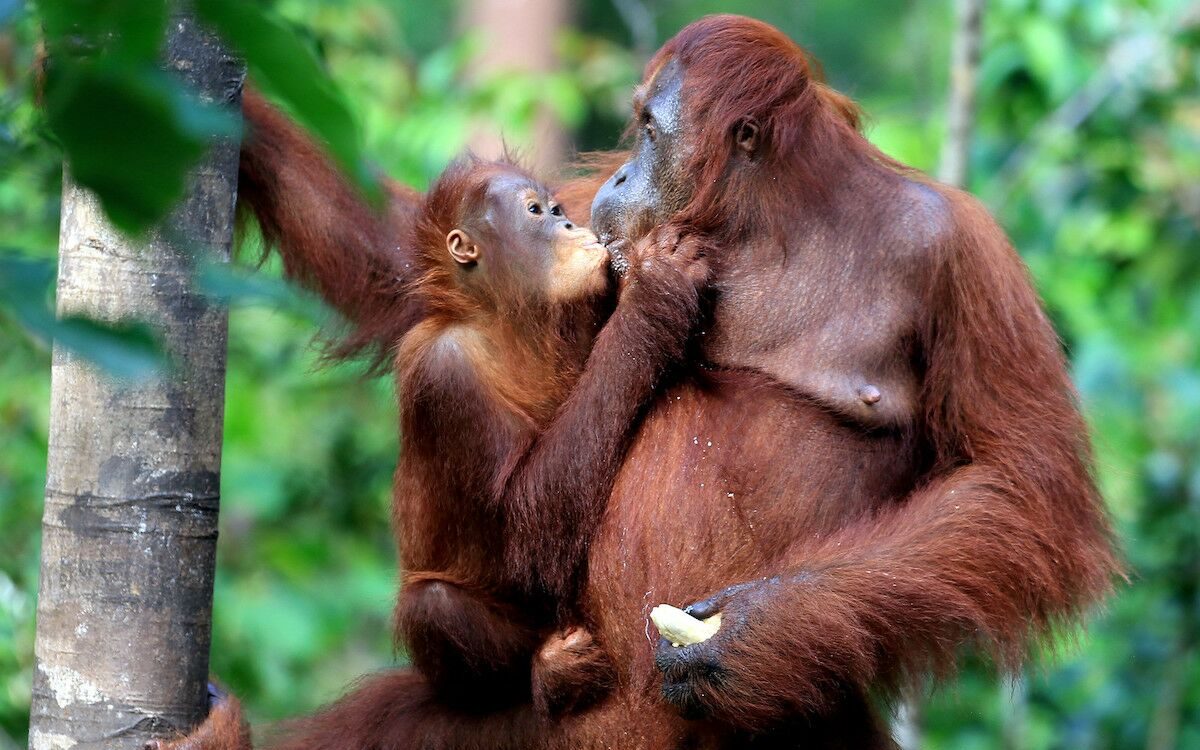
point(680, 628)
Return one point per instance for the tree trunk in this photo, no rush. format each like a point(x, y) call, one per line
point(129, 530)
point(520, 35)
point(964, 73)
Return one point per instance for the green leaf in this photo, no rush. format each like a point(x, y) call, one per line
point(1048, 53)
point(233, 285)
point(23, 284)
point(21, 276)
point(287, 69)
point(129, 131)
point(131, 32)
point(130, 136)
point(128, 350)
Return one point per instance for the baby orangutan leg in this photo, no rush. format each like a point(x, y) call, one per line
point(570, 672)
point(395, 709)
point(473, 650)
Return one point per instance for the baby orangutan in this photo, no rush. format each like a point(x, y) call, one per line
point(515, 408)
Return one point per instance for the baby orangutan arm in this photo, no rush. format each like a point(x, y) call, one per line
point(554, 491)
point(224, 729)
point(547, 491)
point(329, 237)
point(570, 672)
point(475, 650)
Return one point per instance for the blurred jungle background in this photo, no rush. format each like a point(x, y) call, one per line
point(1085, 143)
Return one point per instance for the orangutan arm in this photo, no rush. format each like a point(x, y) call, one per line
point(554, 491)
point(546, 490)
point(330, 238)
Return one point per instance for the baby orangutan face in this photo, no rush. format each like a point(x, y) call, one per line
point(518, 244)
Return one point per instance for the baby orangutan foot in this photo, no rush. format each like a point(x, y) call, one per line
point(224, 729)
point(570, 672)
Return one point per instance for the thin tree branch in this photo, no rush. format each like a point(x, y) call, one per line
point(964, 75)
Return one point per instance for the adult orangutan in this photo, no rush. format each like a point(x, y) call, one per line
point(875, 458)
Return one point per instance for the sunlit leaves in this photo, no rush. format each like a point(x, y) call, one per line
point(1096, 104)
point(1048, 54)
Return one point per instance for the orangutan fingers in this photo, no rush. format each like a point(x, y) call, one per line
point(680, 628)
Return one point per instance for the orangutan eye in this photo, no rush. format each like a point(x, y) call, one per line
point(535, 208)
point(648, 125)
point(556, 210)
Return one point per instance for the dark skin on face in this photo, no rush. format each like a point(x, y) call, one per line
point(651, 186)
point(655, 184)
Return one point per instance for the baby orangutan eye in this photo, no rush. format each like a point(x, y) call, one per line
point(556, 211)
point(535, 208)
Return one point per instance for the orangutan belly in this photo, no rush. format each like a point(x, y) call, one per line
point(721, 480)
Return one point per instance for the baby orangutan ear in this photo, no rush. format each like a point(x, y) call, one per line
point(745, 134)
point(462, 248)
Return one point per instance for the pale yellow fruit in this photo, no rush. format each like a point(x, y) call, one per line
point(680, 628)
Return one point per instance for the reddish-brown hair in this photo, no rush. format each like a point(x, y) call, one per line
point(740, 69)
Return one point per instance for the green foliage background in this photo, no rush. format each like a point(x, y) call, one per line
point(1087, 148)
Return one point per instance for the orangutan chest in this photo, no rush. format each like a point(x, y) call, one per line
point(847, 345)
point(720, 482)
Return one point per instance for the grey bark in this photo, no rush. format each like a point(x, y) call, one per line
point(130, 523)
point(964, 74)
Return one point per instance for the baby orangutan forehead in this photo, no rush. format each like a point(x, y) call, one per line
point(504, 186)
